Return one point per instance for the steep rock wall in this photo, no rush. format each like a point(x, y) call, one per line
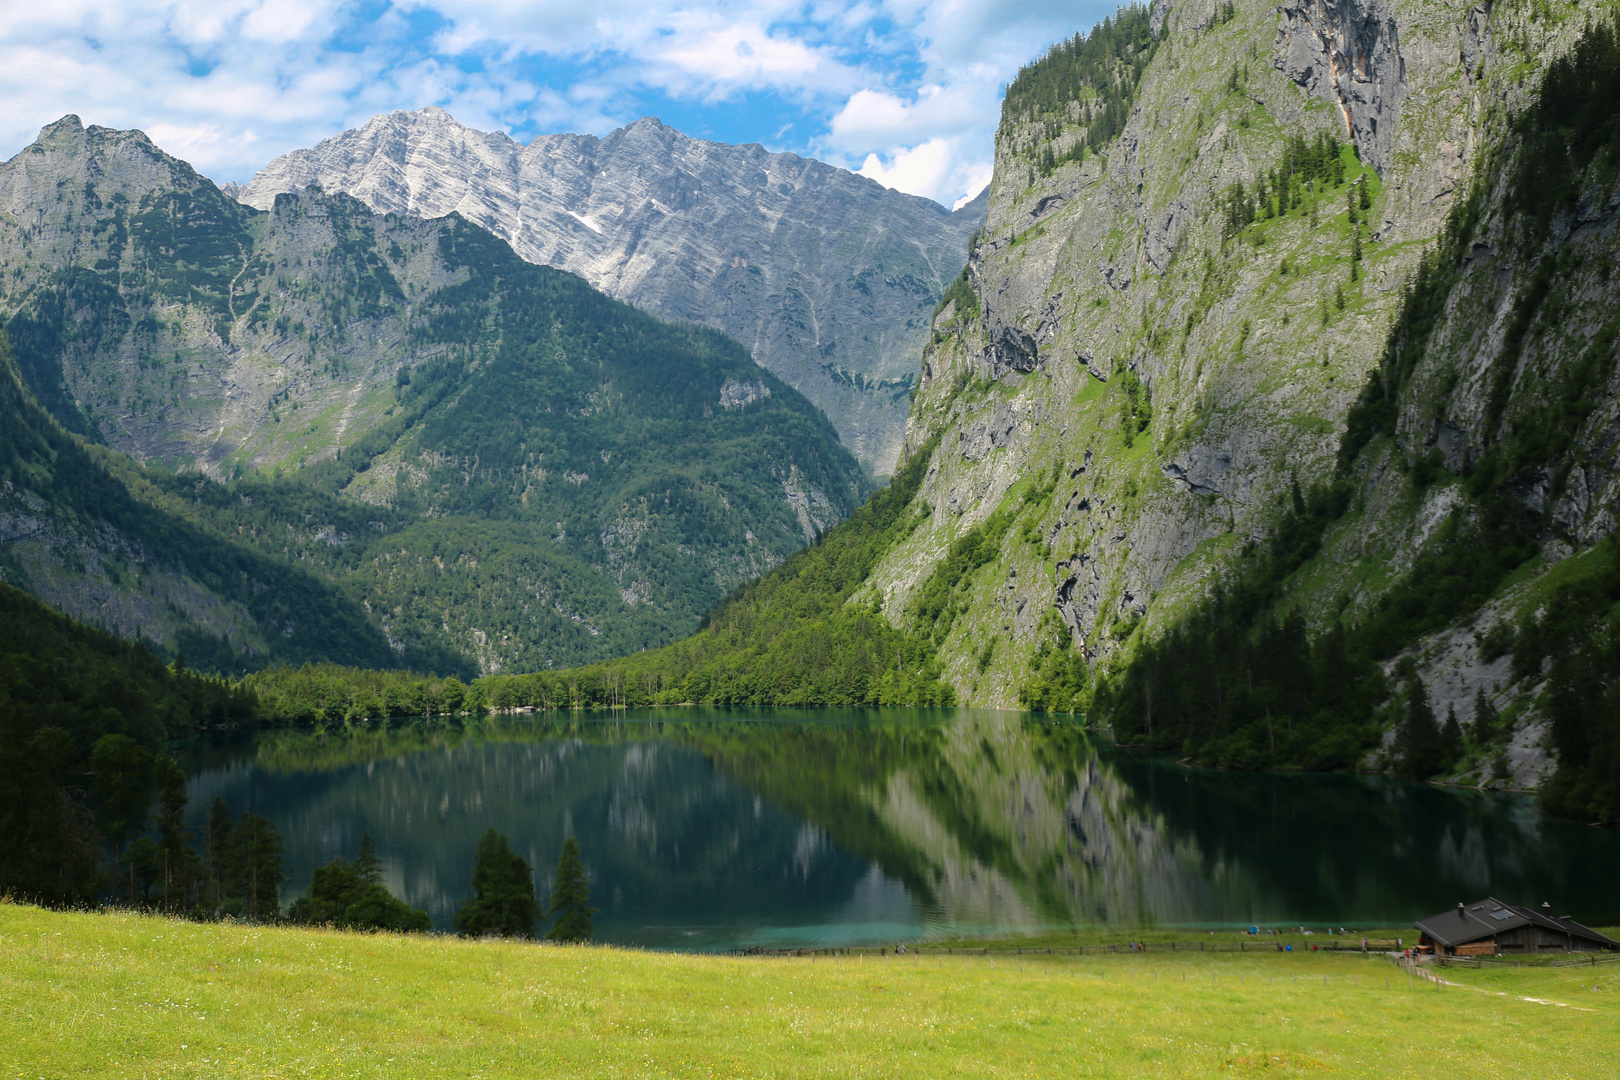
point(1114, 291)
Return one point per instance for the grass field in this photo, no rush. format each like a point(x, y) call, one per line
point(117, 995)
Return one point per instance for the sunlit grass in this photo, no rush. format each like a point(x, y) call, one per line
point(129, 996)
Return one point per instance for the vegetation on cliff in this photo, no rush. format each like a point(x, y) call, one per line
point(55, 481)
point(486, 464)
point(1238, 682)
point(1089, 80)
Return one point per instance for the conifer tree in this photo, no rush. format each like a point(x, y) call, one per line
point(122, 771)
point(1418, 744)
point(570, 899)
point(179, 860)
point(367, 866)
point(216, 841)
point(351, 896)
point(1451, 738)
point(254, 867)
point(1484, 717)
point(503, 892)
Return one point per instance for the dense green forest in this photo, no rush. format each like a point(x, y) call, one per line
point(93, 807)
point(83, 720)
point(1089, 79)
point(322, 693)
point(787, 638)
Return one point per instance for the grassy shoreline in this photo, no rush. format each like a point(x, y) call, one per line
point(123, 995)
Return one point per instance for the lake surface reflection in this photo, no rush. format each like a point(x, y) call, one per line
point(704, 829)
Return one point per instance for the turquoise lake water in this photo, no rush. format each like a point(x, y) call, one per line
point(707, 829)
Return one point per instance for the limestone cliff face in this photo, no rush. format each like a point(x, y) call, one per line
point(222, 319)
point(1113, 293)
point(1348, 53)
point(826, 276)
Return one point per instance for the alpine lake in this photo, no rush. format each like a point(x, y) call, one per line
point(709, 830)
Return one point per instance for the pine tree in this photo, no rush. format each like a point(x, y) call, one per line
point(367, 866)
point(570, 898)
point(503, 892)
point(1451, 738)
point(351, 896)
point(216, 843)
point(179, 860)
point(1418, 744)
point(1484, 717)
point(122, 771)
point(254, 867)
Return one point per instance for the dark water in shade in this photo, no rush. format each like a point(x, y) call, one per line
point(706, 829)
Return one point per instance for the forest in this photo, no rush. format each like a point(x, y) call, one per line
point(786, 638)
point(84, 718)
point(1090, 79)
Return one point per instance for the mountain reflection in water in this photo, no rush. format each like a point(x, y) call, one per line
point(702, 829)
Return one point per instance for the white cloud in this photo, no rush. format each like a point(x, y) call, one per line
point(941, 169)
point(905, 90)
point(721, 58)
point(919, 168)
point(937, 145)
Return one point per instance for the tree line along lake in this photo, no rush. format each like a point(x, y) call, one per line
point(708, 829)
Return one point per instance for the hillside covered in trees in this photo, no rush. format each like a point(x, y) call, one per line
point(493, 465)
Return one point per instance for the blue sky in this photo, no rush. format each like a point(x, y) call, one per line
point(905, 92)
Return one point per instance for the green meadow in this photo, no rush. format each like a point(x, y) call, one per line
point(121, 995)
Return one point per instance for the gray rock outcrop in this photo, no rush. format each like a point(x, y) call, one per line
point(1241, 351)
point(827, 277)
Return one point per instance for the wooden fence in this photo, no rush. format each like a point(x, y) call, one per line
point(1587, 959)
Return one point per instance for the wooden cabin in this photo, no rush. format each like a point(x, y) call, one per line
point(1493, 928)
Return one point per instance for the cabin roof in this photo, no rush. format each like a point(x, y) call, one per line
point(1488, 917)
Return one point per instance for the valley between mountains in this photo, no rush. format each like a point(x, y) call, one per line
point(1263, 409)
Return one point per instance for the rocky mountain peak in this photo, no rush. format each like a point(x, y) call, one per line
point(826, 276)
point(70, 126)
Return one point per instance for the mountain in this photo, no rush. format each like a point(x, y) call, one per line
point(1273, 419)
point(490, 464)
point(826, 276)
point(80, 535)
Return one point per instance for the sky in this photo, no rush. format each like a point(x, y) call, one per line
point(905, 92)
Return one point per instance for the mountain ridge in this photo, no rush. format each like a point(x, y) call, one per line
point(827, 276)
point(343, 374)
